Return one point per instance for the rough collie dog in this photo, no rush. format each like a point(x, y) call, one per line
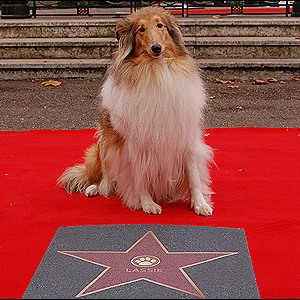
point(149, 146)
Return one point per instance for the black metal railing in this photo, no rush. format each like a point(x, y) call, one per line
point(116, 8)
point(67, 8)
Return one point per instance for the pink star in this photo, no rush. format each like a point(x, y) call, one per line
point(147, 259)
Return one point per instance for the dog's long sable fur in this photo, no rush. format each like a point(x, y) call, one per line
point(150, 147)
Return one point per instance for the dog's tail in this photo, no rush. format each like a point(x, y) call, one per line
point(79, 177)
point(74, 179)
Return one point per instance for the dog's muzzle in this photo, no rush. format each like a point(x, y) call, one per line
point(156, 49)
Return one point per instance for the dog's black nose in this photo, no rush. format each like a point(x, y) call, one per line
point(156, 49)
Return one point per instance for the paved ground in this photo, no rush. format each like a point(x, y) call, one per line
point(29, 105)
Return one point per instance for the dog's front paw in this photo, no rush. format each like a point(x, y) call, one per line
point(203, 210)
point(91, 190)
point(152, 208)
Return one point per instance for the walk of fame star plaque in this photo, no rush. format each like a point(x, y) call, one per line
point(145, 261)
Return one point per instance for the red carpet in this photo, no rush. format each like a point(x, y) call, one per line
point(256, 181)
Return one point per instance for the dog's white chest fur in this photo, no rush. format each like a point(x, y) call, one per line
point(162, 109)
point(159, 120)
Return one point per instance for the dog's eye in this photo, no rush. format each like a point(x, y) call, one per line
point(142, 29)
point(159, 25)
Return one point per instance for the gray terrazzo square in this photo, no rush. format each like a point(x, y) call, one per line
point(145, 261)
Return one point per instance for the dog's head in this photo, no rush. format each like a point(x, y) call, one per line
point(151, 31)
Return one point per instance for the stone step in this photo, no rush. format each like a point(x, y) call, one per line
point(36, 69)
point(240, 27)
point(105, 27)
point(57, 48)
point(200, 47)
point(244, 47)
point(57, 28)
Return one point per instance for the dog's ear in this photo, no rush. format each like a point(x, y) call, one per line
point(125, 34)
point(174, 31)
